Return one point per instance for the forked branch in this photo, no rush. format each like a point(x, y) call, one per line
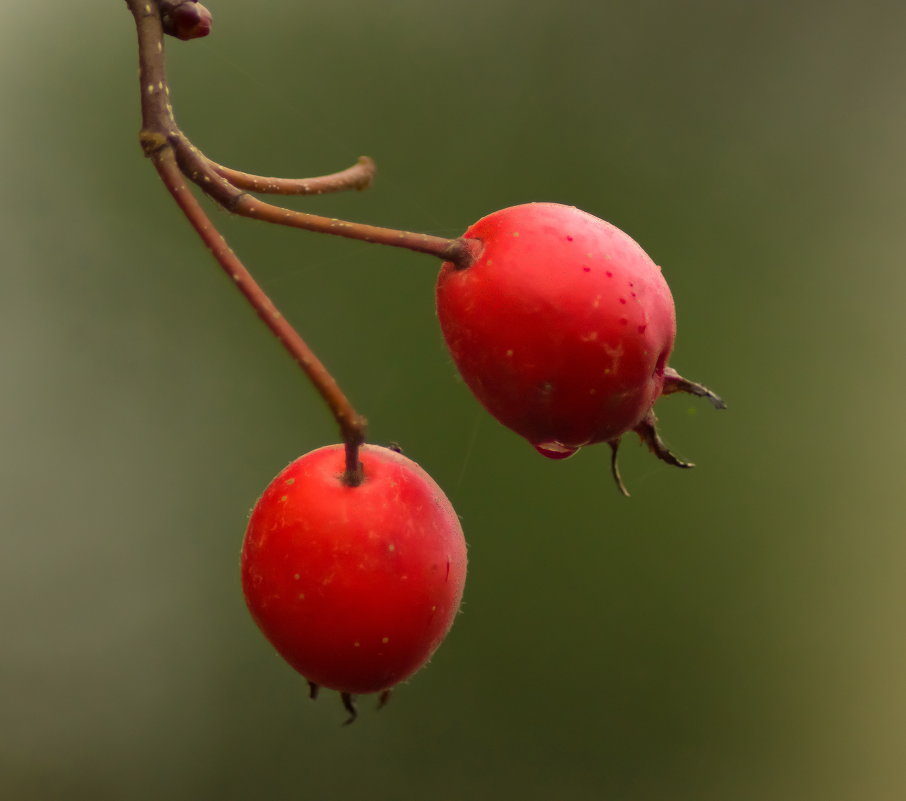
point(159, 132)
point(176, 159)
point(199, 169)
point(352, 425)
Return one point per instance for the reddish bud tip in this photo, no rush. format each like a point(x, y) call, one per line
point(187, 20)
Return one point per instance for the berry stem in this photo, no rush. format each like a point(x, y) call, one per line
point(195, 166)
point(159, 132)
point(352, 425)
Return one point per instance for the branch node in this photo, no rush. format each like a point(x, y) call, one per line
point(152, 142)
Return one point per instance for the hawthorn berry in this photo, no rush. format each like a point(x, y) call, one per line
point(355, 586)
point(562, 326)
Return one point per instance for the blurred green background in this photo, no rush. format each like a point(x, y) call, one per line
point(732, 633)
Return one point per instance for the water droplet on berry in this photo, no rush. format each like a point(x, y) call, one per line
point(555, 450)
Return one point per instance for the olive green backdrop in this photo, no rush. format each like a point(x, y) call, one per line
point(732, 633)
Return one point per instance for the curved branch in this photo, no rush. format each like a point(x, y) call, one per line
point(196, 166)
point(359, 177)
point(159, 128)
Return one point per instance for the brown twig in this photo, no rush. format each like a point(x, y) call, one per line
point(159, 131)
point(196, 166)
point(359, 176)
point(176, 158)
point(352, 425)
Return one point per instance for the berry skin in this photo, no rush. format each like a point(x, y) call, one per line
point(562, 326)
point(354, 586)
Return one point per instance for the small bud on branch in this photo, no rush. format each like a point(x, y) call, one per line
point(185, 19)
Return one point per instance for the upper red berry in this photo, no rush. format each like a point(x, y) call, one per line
point(562, 325)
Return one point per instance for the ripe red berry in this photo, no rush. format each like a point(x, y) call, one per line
point(562, 326)
point(354, 586)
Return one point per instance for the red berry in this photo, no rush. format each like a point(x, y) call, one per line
point(354, 586)
point(562, 326)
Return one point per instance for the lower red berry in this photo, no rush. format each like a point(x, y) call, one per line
point(354, 586)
